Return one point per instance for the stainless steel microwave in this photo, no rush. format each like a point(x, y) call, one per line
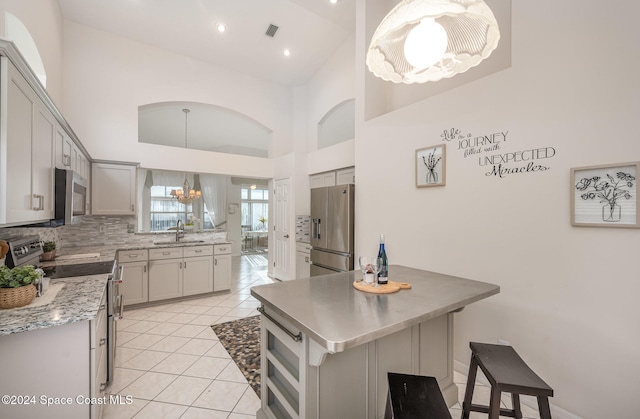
point(71, 197)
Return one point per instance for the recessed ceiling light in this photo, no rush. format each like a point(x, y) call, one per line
point(221, 27)
point(286, 52)
point(333, 1)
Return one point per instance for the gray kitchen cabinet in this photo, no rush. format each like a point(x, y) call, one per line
point(197, 270)
point(26, 169)
point(165, 273)
point(66, 362)
point(346, 176)
point(221, 267)
point(64, 145)
point(113, 189)
point(303, 260)
point(98, 356)
point(135, 276)
point(322, 179)
point(197, 275)
point(42, 160)
point(180, 271)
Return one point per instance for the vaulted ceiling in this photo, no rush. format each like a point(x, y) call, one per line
point(310, 29)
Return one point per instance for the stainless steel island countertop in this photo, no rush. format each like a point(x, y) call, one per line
point(329, 310)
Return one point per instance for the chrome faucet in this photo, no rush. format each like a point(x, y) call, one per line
point(179, 230)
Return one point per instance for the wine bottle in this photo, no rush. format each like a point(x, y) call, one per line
point(383, 275)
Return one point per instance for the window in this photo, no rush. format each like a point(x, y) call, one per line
point(166, 210)
point(255, 209)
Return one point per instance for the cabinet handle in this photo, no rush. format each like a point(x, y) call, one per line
point(66, 160)
point(185, 265)
point(306, 259)
point(215, 262)
point(166, 253)
point(103, 341)
point(198, 251)
point(132, 208)
point(133, 256)
point(102, 307)
point(145, 268)
point(103, 386)
point(297, 338)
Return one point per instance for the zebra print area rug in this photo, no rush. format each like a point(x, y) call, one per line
point(241, 338)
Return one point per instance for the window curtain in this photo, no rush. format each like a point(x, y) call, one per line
point(167, 178)
point(214, 193)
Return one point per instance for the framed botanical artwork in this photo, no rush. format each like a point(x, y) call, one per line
point(430, 166)
point(605, 196)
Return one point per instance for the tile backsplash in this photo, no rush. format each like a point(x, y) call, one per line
point(303, 223)
point(99, 232)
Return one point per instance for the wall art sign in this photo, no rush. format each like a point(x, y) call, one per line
point(490, 150)
point(430, 166)
point(605, 196)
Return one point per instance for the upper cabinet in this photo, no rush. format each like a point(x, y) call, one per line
point(346, 176)
point(113, 189)
point(34, 139)
point(332, 178)
point(26, 151)
point(69, 156)
point(322, 179)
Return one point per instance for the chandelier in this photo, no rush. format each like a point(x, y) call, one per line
point(187, 194)
point(428, 40)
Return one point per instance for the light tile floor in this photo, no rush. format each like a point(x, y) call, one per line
point(170, 364)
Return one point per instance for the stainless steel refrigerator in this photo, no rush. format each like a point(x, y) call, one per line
point(332, 229)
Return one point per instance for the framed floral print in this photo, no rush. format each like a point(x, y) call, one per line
point(605, 196)
point(430, 166)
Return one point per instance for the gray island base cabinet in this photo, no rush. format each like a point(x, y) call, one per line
point(326, 347)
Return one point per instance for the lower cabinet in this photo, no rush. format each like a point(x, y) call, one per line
point(135, 276)
point(58, 372)
point(180, 271)
point(165, 279)
point(221, 267)
point(169, 272)
point(197, 270)
point(98, 356)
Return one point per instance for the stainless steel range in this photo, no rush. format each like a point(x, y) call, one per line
point(115, 301)
point(23, 251)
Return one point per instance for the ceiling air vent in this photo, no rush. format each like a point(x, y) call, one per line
point(271, 31)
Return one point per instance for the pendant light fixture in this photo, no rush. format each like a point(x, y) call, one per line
point(428, 40)
point(186, 195)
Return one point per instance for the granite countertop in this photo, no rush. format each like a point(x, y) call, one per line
point(78, 300)
point(332, 312)
point(80, 297)
point(103, 254)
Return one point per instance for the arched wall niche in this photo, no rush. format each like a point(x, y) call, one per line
point(205, 127)
point(337, 125)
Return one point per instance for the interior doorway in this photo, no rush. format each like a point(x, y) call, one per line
point(254, 220)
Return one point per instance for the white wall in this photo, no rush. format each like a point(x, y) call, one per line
point(108, 77)
point(568, 300)
point(331, 85)
point(44, 22)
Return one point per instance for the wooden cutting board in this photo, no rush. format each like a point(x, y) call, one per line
point(388, 288)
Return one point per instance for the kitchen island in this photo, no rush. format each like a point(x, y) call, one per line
point(326, 347)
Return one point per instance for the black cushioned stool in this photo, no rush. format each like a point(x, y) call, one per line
point(507, 372)
point(414, 397)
